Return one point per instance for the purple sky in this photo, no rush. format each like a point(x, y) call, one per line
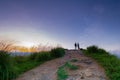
point(89, 22)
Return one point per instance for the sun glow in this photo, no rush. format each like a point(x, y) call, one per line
point(28, 44)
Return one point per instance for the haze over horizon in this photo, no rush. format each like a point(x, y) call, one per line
point(64, 22)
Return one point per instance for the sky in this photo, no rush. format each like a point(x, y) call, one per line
point(63, 22)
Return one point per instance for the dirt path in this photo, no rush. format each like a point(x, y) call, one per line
point(88, 69)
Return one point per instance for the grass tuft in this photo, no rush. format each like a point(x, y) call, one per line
point(70, 66)
point(61, 73)
point(6, 66)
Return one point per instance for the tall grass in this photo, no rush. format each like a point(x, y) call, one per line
point(110, 63)
point(57, 52)
point(8, 70)
point(43, 56)
point(6, 66)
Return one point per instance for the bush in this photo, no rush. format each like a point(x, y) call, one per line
point(33, 56)
point(57, 52)
point(82, 49)
point(102, 51)
point(92, 49)
point(43, 56)
point(6, 66)
point(95, 49)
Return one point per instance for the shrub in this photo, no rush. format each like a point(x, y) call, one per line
point(102, 51)
point(43, 56)
point(57, 52)
point(92, 49)
point(82, 49)
point(33, 56)
point(6, 66)
point(95, 49)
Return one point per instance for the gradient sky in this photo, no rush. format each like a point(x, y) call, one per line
point(89, 22)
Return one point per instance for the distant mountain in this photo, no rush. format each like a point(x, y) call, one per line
point(19, 53)
point(116, 52)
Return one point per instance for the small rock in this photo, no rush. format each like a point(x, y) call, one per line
point(88, 73)
point(82, 75)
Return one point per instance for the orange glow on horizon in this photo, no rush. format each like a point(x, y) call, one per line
point(27, 44)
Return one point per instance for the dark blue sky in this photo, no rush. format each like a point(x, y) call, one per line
point(89, 22)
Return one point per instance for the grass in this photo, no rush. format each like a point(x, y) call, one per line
point(23, 66)
point(57, 52)
point(62, 74)
point(43, 56)
point(70, 66)
point(12, 67)
point(109, 62)
point(7, 71)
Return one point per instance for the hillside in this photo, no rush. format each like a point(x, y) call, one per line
point(74, 65)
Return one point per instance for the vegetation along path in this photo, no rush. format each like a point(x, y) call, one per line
point(87, 69)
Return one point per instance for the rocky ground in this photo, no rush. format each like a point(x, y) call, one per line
point(88, 69)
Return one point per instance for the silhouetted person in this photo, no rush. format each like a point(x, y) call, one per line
point(75, 45)
point(78, 46)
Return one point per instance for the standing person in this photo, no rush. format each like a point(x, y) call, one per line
point(78, 46)
point(75, 45)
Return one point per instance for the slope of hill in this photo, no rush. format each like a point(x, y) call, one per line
point(87, 69)
point(108, 61)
